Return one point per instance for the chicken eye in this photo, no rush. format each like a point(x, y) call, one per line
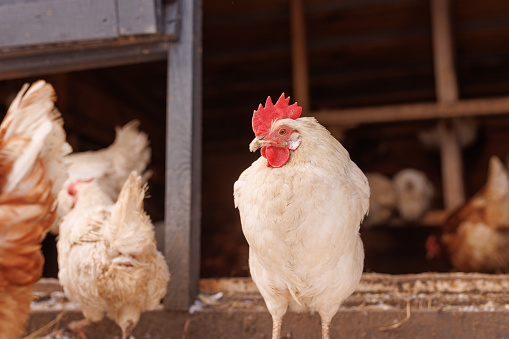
point(282, 131)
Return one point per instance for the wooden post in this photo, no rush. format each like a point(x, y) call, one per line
point(299, 54)
point(447, 93)
point(183, 160)
point(443, 53)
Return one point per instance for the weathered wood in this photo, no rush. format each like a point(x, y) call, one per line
point(57, 21)
point(183, 160)
point(447, 92)
point(300, 77)
point(171, 18)
point(450, 305)
point(410, 284)
point(138, 16)
point(108, 54)
point(451, 161)
point(43, 22)
point(443, 53)
point(419, 111)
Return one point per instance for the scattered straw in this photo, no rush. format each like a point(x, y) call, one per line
point(399, 323)
point(46, 327)
point(186, 328)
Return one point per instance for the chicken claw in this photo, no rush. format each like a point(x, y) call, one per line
point(78, 327)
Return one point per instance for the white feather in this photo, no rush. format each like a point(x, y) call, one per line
point(302, 223)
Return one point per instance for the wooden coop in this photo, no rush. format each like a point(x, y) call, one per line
point(60, 40)
point(377, 73)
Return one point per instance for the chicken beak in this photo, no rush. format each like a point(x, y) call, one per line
point(255, 144)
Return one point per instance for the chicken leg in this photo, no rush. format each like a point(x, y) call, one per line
point(127, 329)
point(276, 328)
point(325, 329)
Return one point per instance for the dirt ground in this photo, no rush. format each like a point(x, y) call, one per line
point(384, 306)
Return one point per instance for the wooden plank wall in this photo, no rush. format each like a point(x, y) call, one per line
point(139, 17)
point(58, 21)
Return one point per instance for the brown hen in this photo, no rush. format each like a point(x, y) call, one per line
point(32, 144)
point(476, 235)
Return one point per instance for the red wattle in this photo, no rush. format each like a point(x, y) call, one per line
point(276, 156)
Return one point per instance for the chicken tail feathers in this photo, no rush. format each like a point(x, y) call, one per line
point(32, 127)
point(133, 147)
point(497, 184)
point(130, 230)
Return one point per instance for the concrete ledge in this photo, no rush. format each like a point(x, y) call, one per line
point(434, 305)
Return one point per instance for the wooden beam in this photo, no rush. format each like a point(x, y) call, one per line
point(408, 112)
point(447, 93)
point(300, 77)
point(183, 157)
point(108, 54)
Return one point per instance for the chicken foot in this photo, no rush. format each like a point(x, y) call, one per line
point(127, 329)
point(78, 327)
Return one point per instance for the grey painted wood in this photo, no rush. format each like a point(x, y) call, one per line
point(183, 167)
point(171, 18)
point(42, 22)
point(138, 16)
point(108, 55)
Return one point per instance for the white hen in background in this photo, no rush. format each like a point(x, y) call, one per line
point(382, 201)
point(109, 167)
point(414, 193)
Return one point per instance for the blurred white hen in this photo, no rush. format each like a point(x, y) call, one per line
point(414, 193)
point(109, 167)
point(382, 201)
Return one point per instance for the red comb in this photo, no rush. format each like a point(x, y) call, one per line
point(265, 116)
point(72, 186)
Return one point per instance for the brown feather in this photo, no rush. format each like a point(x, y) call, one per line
point(27, 199)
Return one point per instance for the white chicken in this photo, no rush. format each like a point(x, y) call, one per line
point(109, 167)
point(301, 205)
point(32, 146)
point(107, 255)
point(414, 193)
point(382, 201)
